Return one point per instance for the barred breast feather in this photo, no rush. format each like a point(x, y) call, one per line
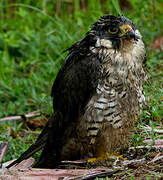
point(112, 111)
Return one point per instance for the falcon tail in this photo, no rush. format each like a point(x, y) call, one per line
point(42, 142)
point(39, 144)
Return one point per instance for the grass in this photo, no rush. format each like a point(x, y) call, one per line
point(33, 36)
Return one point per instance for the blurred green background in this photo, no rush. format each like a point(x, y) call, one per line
point(33, 36)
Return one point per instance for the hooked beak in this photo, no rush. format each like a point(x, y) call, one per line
point(127, 31)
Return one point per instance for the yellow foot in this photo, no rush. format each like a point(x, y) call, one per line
point(106, 159)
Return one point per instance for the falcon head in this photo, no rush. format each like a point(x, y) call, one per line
point(111, 31)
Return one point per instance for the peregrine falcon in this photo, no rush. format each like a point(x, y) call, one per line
point(97, 95)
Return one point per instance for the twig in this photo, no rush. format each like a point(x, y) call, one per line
point(25, 164)
point(156, 159)
point(155, 174)
point(157, 142)
point(74, 164)
point(102, 174)
point(158, 147)
point(134, 161)
point(148, 128)
point(19, 117)
point(3, 149)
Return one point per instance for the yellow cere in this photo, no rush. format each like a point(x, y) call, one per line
point(126, 28)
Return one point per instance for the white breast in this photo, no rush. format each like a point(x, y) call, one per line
point(124, 72)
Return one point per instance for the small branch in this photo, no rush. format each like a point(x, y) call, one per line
point(155, 174)
point(102, 174)
point(158, 142)
point(25, 164)
point(3, 149)
point(134, 161)
point(158, 147)
point(156, 159)
point(148, 128)
point(10, 118)
point(73, 164)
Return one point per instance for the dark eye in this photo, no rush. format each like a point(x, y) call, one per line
point(113, 30)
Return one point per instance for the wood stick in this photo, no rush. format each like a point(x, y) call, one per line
point(3, 149)
point(10, 118)
point(102, 174)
